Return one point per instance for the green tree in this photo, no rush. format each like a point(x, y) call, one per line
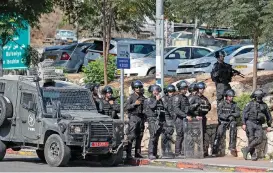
point(252, 18)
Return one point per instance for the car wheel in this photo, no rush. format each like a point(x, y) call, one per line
point(41, 155)
point(151, 72)
point(57, 154)
point(80, 69)
point(6, 109)
point(2, 150)
point(111, 159)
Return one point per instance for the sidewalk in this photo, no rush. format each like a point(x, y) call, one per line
point(219, 164)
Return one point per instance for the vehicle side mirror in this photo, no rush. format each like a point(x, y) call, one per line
point(172, 56)
point(30, 105)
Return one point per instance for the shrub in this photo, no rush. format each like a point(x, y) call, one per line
point(94, 71)
point(241, 101)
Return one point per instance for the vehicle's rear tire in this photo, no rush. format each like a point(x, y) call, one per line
point(6, 109)
point(57, 154)
point(41, 155)
point(80, 69)
point(151, 72)
point(2, 150)
point(111, 159)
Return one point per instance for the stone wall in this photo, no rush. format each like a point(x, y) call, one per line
point(265, 149)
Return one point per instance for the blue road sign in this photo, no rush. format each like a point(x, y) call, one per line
point(123, 56)
point(13, 51)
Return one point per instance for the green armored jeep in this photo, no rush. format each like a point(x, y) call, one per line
point(59, 120)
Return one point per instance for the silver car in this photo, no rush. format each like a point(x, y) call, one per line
point(244, 62)
point(69, 58)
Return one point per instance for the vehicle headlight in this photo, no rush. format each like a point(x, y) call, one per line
point(78, 128)
point(202, 65)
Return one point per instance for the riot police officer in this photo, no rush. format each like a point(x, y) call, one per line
point(228, 111)
point(221, 74)
point(255, 114)
point(94, 88)
point(192, 90)
point(134, 107)
point(199, 108)
point(168, 128)
point(110, 106)
point(155, 112)
point(181, 107)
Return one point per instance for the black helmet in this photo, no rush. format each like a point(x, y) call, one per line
point(193, 87)
point(154, 88)
point(220, 53)
point(136, 84)
point(201, 85)
point(182, 85)
point(92, 86)
point(258, 94)
point(170, 88)
point(230, 93)
point(107, 89)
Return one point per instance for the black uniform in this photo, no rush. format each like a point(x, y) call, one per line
point(254, 115)
point(155, 112)
point(200, 106)
point(181, 106)
point(110, 110)
point(136, 122)
point(168, 128)
point(221, 74)
point(227, 114)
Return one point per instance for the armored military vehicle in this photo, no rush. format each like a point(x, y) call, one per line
point(58, 119)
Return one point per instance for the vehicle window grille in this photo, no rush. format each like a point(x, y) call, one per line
point(2, 88)
point(101, 129)
point(26, 98)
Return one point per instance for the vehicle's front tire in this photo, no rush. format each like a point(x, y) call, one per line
point(41, 155)
point(57, 154)
point(2, 150)
point(111, 159)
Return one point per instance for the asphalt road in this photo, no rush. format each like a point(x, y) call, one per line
point(14, 163)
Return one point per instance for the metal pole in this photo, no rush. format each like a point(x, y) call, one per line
point(122, 94)
point(1, 61)
point(196, 32)
point(159, 43)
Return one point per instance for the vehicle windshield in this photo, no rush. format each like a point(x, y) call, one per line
point(153, 53)
point(71, 99)
point(67, 33)
point(228, 49)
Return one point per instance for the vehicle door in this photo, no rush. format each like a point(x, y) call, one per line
point(28, 115)
point(176, 57)
point(199, 52)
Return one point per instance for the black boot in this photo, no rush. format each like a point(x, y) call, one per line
point(245, 152)
point(137, 154)
point(152, 157)
point(129, 151)
point(254, 154)
point(233, 152)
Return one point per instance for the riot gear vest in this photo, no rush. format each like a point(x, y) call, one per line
point(221, 73)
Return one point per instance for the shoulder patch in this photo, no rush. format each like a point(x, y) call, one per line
point(176, 98)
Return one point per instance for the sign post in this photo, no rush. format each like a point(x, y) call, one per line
point(123, 62)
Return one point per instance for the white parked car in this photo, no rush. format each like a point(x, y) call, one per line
point(172, 57)
point(138, 48)
point(205, 64)
point(244, 63)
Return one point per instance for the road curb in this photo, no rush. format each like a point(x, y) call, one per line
point(171, 164)
point(22, 153)
point(196, 166)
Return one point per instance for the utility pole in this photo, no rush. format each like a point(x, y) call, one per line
point(196, 32)
point(159, 43)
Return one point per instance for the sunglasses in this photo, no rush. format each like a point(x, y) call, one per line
point(138, 87)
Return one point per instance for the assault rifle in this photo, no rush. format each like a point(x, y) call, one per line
point(238, 73)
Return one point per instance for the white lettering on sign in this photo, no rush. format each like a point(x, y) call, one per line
point(31, 129)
